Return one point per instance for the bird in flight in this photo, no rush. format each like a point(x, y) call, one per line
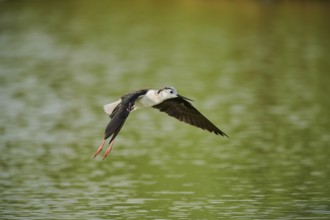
point(165, 100)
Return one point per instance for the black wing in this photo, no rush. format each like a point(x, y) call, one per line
point(118, 118)
point(184, 111)
point(121, 112)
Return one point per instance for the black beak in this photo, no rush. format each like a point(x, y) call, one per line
point(180, 96)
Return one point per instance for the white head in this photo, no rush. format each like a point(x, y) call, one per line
point(169, 92)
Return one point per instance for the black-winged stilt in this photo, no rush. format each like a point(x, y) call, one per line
point(165, 100)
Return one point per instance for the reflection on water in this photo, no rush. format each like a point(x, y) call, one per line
point(258, 70)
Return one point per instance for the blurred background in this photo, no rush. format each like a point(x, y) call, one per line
point(259, 70)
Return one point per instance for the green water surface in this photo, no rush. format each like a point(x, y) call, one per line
point(260, 70)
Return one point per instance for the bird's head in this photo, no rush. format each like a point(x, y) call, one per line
point(169, 92)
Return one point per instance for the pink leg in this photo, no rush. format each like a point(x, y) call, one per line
point(99, 149)
point(108, 150)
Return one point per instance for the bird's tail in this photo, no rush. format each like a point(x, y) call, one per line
point(108, 108)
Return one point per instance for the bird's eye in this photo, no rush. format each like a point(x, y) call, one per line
point(171, 92)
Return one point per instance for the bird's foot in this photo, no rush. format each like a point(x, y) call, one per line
point(99, 149)
point(108, 150)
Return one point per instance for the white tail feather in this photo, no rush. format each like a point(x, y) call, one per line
point(108, 108)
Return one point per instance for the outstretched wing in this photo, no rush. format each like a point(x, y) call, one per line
point(184, 111)
point(118, 118)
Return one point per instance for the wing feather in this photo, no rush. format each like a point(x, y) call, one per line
point(119, 112)
point(118, 118)
point(186, 112)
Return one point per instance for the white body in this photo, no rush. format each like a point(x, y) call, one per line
point(151, 98)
